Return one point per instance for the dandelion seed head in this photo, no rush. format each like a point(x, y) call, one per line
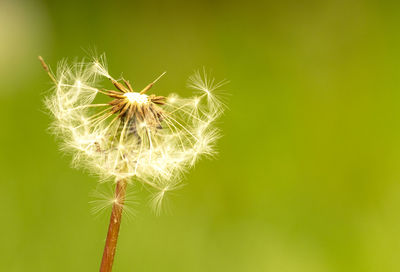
point(135, 135)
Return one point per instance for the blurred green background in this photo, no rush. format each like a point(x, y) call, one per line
point(308, 172)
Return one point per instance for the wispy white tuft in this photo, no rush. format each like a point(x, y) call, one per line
point(114, 149)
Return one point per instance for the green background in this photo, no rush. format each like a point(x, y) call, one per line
point(308, 172)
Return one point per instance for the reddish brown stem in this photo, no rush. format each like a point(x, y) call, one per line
point(113, 228)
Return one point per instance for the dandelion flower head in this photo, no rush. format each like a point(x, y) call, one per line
point(134, 135)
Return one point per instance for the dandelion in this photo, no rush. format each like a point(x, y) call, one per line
point(134, 136)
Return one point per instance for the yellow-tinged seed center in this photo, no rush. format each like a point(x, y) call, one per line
point(138, 98)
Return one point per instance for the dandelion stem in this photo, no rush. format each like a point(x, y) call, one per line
point(113, 228)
